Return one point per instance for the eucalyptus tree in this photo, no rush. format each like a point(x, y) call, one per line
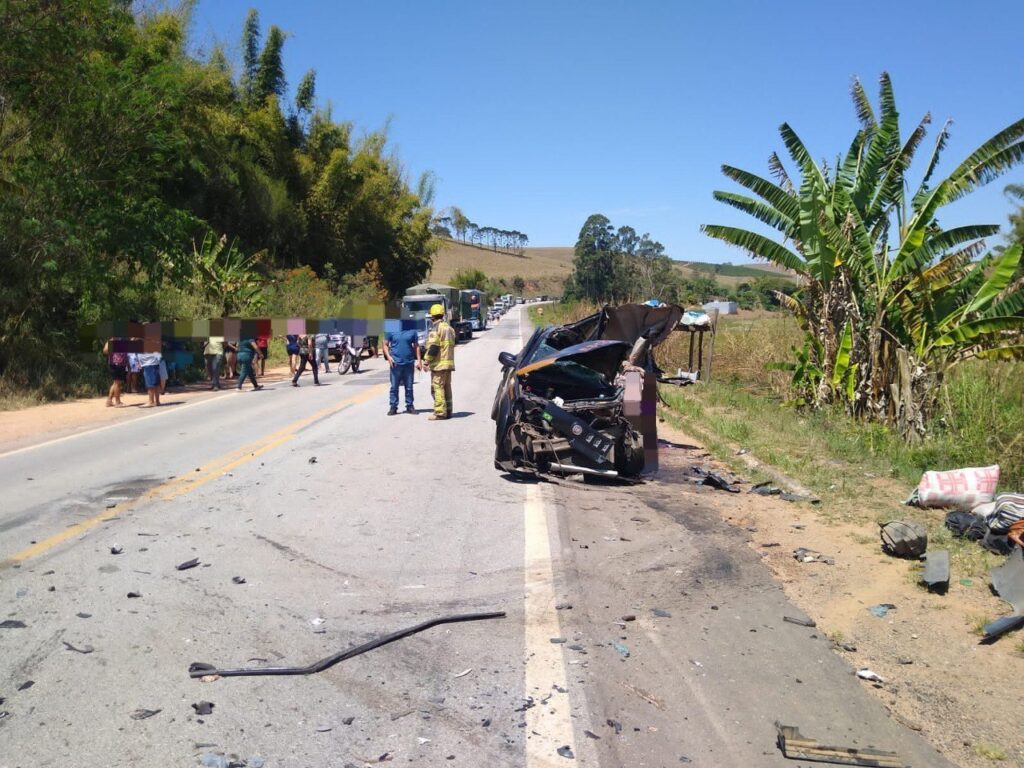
point(890, 299)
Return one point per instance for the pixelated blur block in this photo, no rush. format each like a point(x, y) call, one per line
point(649, 422)
point(640, 407)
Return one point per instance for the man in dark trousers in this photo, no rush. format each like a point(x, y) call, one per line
point(402, 351)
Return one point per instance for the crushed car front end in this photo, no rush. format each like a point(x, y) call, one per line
point(560, 405)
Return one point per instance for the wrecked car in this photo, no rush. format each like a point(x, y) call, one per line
point(560, 405)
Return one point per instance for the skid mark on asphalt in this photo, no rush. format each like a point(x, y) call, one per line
point(294, 554)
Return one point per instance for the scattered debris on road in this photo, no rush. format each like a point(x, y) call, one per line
point(1008, 583)
point(799, 621)
point(805, 555)
point(615, 724)
point(203, 707)
point(76, 649)
point(903, 539)
point(116, 550)
point(936, 570)
point(528, 703)
point(870, 675)
point(623, 650)
point(566, 751)
point(199, 669)
point(881, 609)
point(463, 673)
point(134, 594)
point(238, 580)
point(714, 480)
point(661, 613)
point(143, 714)
point(798, 747)
point(767, 489)
point(312, 459)
point(187, 564)
point(12, 624)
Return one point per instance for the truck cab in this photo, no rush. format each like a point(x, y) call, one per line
point(420, 298)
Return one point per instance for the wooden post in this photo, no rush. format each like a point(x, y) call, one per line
point(700, 354)
point(689, 365)
point(711, 348)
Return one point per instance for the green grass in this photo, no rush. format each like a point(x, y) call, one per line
point(980, 418)
point(990, 751)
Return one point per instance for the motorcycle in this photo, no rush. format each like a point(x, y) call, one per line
point(348, 355)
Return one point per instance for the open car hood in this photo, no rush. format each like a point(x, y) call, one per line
point(602, 356)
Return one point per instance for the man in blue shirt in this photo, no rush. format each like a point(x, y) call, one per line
point(402, 351)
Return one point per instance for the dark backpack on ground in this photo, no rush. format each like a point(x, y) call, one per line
point(966, 525)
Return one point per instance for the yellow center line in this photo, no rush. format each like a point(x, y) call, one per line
point(190, 481)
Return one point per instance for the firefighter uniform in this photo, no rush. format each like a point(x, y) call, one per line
point(440, 358)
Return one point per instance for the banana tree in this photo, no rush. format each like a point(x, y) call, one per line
point(890, 299)
point(230, 280)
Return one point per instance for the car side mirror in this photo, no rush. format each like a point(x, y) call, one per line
point(507, 360)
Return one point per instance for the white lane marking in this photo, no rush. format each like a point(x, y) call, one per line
point(105, 427)
point(135, 420)
point(548, 725)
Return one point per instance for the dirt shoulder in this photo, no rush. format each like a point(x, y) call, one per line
point(962, 696)
point(41, 423)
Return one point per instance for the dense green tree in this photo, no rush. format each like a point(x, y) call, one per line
point(250, 51)
point(612, 266)
point(269, 79)
point(469, 278)
point(119, 150)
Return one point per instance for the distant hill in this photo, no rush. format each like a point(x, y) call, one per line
point(732, 274)
point(544, 269)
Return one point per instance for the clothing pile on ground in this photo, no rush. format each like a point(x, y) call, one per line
point(978, 513)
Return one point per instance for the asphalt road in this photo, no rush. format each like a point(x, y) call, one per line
point(347, 524)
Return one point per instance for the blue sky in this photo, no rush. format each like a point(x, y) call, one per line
point(533, 115)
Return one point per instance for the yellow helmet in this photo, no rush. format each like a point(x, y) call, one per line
point(437, 310)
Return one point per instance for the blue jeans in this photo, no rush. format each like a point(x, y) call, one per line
point(401, 375)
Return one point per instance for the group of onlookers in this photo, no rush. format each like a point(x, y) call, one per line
point(240, 360)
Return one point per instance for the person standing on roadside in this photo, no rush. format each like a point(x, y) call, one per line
point(230, 359)
point(134, 370)
point(213, 354)
point(149, 362)
point(117, 363)
point(247, 353)
point(263, 344)
point(291, 346)
point(305, 356)
point(402, 351)
point(440, 359)
point(320, 347)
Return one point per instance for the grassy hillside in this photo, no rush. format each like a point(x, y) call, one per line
point(731, 275)
point(544, 269)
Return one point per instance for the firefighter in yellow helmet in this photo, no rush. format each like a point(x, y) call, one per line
point(440, 358)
